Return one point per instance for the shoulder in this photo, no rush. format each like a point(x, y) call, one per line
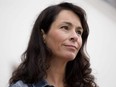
point(18, 84)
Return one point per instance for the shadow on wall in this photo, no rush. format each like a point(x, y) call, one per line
point(111, 2)
point(107, 7)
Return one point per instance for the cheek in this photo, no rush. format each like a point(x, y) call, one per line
point(80, 41)
point(54, 40)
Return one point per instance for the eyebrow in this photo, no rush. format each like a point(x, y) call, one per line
point(70, 24)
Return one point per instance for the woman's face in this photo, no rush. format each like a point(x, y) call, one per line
point(64, 37)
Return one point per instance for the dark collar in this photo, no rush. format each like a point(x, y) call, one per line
point(43, 83)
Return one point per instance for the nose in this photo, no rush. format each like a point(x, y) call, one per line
point(74, 37)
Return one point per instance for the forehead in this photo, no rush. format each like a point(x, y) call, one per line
point(68, 16)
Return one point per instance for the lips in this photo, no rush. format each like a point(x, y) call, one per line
point(71, 46)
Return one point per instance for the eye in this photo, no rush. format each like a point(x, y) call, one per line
point(65, 27)
point(79, 32)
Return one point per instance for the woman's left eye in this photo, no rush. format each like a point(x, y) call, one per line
point(79, 32)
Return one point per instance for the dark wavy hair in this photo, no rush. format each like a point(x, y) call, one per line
point(35, 59)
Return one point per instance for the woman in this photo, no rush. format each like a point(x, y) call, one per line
point(56, 54)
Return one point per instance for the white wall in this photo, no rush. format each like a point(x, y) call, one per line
point(16, 21)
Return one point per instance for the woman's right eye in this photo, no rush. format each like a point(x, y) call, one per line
point(65, 27)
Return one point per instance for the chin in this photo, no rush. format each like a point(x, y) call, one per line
point(70, 57)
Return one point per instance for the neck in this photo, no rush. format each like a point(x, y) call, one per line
point(56, 73)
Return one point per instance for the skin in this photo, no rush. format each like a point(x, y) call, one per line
point(64, 39)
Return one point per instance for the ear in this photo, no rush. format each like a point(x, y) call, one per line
point(43, 35)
